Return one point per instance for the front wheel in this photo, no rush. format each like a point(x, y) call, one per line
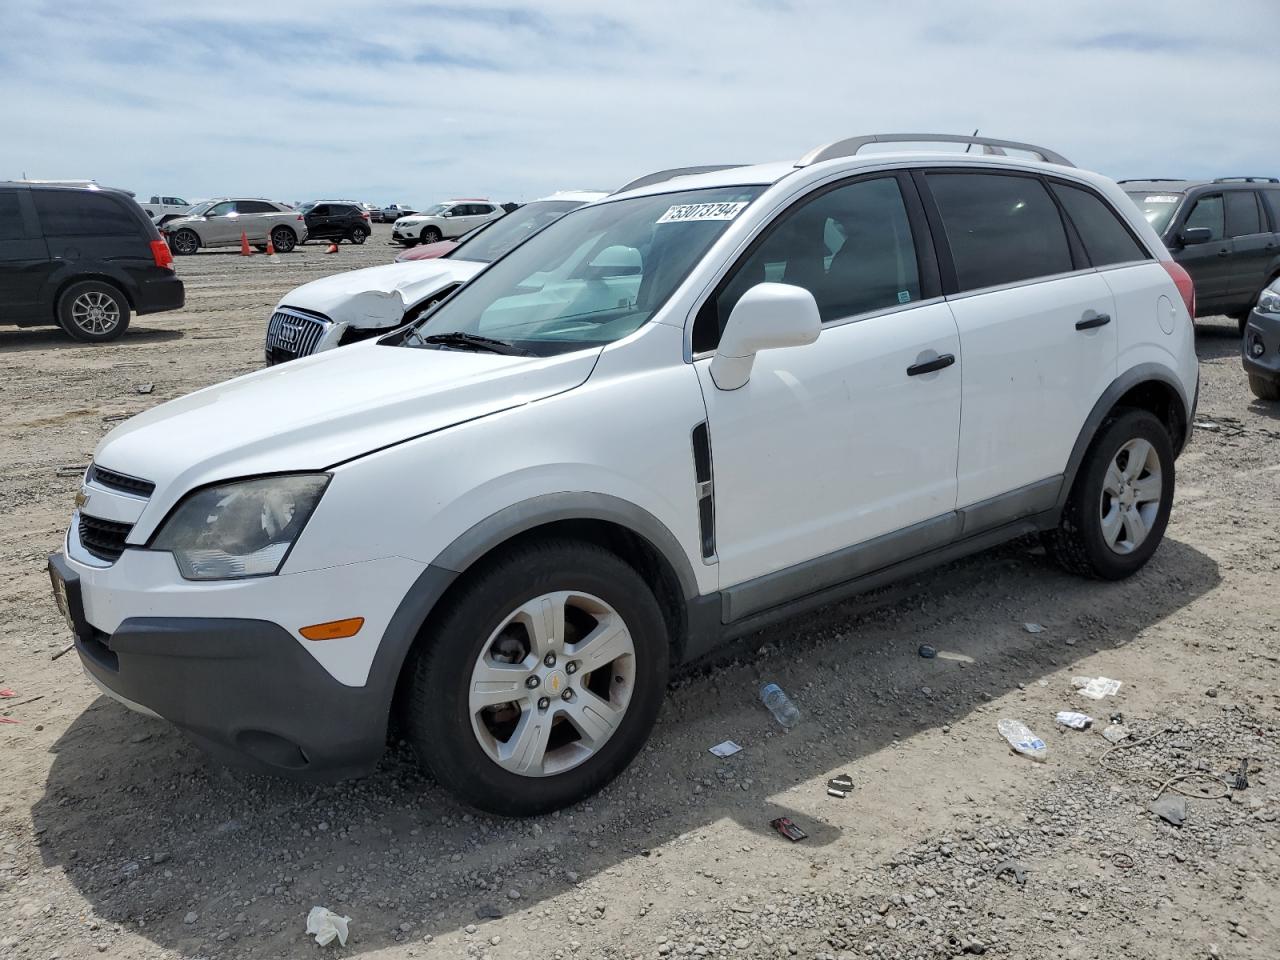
point(283, 239)
point(1264, 388)
point(1119, 506)
point(431, 235)
point(185, 242)
point(541, 679)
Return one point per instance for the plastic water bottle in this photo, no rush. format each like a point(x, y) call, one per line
point(780, 705)
point(1022, 740)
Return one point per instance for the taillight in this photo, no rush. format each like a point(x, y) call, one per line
point(1182, 280)
point(301, 217)
point(162, 255)
point(365, 214)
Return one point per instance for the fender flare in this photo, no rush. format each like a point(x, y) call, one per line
point(1133, 377)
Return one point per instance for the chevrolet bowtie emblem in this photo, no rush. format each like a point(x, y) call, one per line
point(82, 500)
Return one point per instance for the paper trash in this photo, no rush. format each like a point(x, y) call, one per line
point(326, 925)
point(726, 749)
point(1095, 688)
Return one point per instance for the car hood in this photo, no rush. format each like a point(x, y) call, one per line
point(320, 411)
point(378, 296)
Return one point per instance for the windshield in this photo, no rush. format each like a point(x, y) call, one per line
point(1157, 207)
point(199, 209)
point(434, 211)
point(592, 277)
point(497, 237)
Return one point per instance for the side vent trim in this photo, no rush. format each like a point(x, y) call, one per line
point(701, 440)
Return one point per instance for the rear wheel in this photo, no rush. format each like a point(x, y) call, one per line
point(1264, 388)
point(93, 311)
point(358, 235)
point(283, 239)
point(541, 679)
point(184, 242)
point(1119, 506)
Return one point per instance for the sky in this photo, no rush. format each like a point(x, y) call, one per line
point(414, 102)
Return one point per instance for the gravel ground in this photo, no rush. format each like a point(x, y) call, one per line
point(119, 838)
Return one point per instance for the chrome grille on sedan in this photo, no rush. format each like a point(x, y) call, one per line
point(292, 334)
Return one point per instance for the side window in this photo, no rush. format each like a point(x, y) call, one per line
point(1208, 213)
point(175, 202)
point(223, 209)
point(10, 216)
point(1271, 199)
point(83, 213)
point(1001, 229)
point(851, 247)
point(1243, 219)
point(255, 206)
point(157, 200)
point(1106, 239)
point(482, 209)
point(321, 210)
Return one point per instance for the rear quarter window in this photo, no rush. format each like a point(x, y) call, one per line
point(82, 213)
point(1105, 237)
point(1001, 228)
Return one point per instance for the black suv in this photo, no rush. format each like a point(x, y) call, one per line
point(336, 220)
point(1225, 232)
point(80, 257)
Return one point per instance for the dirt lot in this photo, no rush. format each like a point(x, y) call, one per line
point(119, 838)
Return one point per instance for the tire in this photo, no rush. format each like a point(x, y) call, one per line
point(1081, 543)
point(185, 242)
point(260, 247)
point(93, 312)
point(430, 235)
point(283, 239)
point(358, 235)
point(408, 242)
point(1264, 388)
point(459, 745)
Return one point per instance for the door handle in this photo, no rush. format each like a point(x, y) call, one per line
point(1224, 253)
point(929, 366)
point(1098, 320)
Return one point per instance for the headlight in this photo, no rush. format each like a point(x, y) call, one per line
point(1269, 302)
point(240, 529)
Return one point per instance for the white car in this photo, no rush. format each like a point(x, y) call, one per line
point(443, 221)
point(670, 418)
point(163, 209)
point(353, 306)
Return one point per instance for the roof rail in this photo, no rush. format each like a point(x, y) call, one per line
point(850, 147)
point(1246, 180)
point(1154, 180)
point(664, 175)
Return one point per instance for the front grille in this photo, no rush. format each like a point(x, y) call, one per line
point(120, 481)
point(103, 538)
point(292, 334)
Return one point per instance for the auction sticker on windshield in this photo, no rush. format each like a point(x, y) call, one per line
point(688, 212)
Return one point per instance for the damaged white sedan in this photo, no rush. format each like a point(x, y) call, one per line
point(360, 304)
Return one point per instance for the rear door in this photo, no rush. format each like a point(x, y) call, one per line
point(1036, 333)
point(257, 217)
point(1252, 246)
point(24, 259)
point(1208, 263)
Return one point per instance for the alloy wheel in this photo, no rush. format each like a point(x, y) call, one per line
point(95, 312)
point(1131, 491)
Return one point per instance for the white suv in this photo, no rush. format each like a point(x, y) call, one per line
point(669, 418)
point(443, 221)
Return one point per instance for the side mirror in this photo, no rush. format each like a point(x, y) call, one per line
point(1193, 235)
point(767, 316)
point(616, 261)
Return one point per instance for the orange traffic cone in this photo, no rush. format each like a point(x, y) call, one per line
point(271, 248)
point(331, 248)
point(244, 245)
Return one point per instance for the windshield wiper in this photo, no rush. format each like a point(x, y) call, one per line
point(472, 341)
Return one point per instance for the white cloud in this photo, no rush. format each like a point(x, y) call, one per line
point(414, 102)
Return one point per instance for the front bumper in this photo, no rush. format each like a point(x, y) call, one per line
point(1261, 334)
point(244, 688)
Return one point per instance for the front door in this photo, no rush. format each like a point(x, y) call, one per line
point(852, 437)
point(222, 223)
point(1208, 263)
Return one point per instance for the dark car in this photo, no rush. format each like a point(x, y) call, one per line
point(1225, 232)
point(1260, 346)
point(84, 258)
point(336, 220)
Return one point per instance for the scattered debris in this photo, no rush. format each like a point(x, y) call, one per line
point(1015, 867)
point(1172, 809)
point(1117, 717)
point(1242, 776)
point(145, 387)
point(840, 786)
point(1033, 628)
point(6, 692)
point(1095, 688)
point(487, 911)
point(726, 749)
point(1114, 733)
point(327, 925)
point(63, 652)
point(1022, 740)
point(927, 651)
point(1076, 721)
point(1207, 425)
point(780, 705)
point(1122, 860)
point(787, 827)
point(9, 720)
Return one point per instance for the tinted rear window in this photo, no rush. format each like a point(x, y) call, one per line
point(1106, 239)
point(1001, 229)
point(255, 206)
point(82, 213)
point(10, 216)
point(1243, 219)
